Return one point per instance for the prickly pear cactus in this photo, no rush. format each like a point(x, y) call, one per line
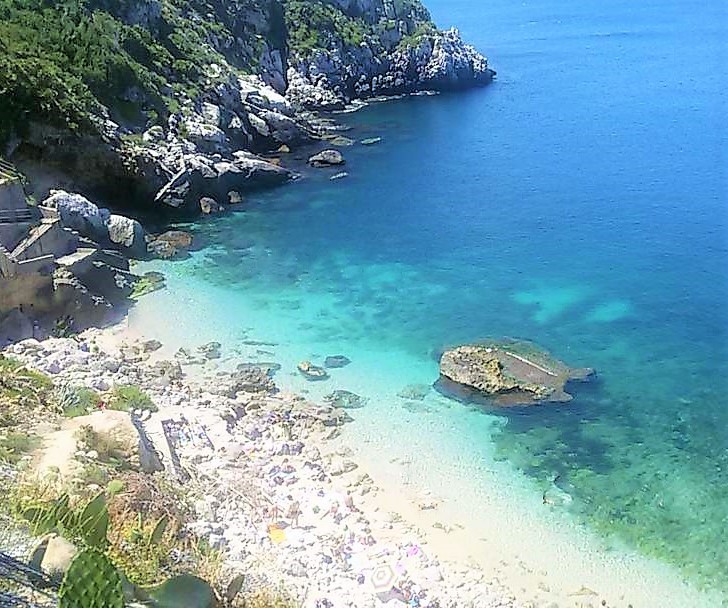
point(181, 591)
point(92, 581)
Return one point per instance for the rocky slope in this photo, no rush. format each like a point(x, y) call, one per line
point(350, 49)
point(168, 102)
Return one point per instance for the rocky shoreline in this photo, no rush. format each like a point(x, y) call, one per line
point(249, 103)
point(283, 499)
point(245, 102)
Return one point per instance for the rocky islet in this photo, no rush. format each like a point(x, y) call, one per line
point(507, 373)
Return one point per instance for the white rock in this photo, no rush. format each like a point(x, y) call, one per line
point(127, 233)
point(78, 213)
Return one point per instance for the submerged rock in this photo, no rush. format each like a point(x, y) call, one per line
point(268, 368)
point(311, 371)
point(149, 346)
point(416, 392)
point(149, 282)
point(211, 350)
point(508, 373)
point(170, 244)
point(370, 141)
point(345, 399)
point(340, 140)
point(336, 361)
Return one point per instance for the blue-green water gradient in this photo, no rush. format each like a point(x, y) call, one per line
point(580, 202)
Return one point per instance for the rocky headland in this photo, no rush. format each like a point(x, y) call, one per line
point(168, 103)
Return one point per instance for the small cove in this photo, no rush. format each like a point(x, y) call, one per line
point(577, 202)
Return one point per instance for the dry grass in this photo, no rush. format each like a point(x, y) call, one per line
point(266, 598)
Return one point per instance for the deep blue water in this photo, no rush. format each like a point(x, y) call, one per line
point(580, 201)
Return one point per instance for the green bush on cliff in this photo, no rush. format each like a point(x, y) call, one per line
point(313, 24)
point(423, 30)
point(62, 62)
point(316, 24)
point(21, 389)
point(13, 444)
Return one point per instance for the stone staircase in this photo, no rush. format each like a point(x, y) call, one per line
point(16, 216)
point(8, 171)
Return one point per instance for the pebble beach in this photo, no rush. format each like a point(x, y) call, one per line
point(284, 499)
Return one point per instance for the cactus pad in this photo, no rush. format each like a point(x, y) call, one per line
point(92, 581)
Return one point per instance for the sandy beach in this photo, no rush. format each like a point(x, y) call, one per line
point(298, 494)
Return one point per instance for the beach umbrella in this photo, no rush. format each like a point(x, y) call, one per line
point(383, 578)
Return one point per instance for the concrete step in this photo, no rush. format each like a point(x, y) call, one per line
point(16, 216)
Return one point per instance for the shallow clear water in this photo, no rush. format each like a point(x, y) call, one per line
point(580, 202)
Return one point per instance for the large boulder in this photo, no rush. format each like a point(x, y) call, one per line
point(127, 234)
point(326, 158)
point(79, 214)
point(507, 373)
point(96, 223)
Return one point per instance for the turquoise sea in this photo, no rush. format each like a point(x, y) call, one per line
point(580, 201)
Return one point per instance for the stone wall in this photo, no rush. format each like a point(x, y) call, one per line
point(12, 196)
point(26, 290)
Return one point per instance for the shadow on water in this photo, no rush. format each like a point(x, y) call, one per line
point(563, 425)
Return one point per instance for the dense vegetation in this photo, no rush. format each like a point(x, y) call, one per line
point(70, 63)
point(313, 25)
point(63, 61)
point(317, 24)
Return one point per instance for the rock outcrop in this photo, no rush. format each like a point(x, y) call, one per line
point(180, 123)
point(326, 158)
point(344, 50)
point(328, 79)
point(507, 373)
point(98, 224)
point(204, 177)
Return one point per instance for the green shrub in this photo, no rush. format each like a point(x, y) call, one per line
point(21, 389)
point(313, 25)
point(62, 62)
point(14, 444)
point(423, 30)
point(94, 474)
point(76, 401)
point(130, 397)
